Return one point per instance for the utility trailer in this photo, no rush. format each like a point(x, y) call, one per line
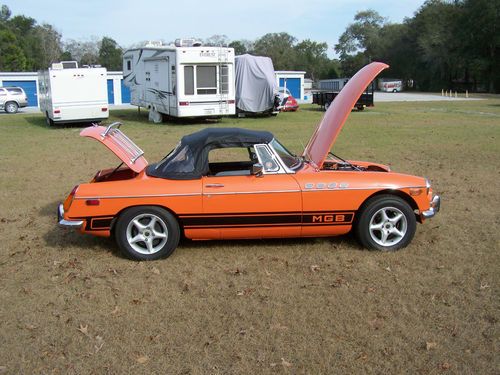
point(68, 93)
point(181, 80)
point(325, 97)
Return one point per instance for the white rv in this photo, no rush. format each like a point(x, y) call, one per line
point(71, 94)
point(185, 80)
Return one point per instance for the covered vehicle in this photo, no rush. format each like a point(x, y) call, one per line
point(256, 90)
point(264, 191)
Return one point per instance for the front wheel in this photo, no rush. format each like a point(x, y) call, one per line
point(386, 223)
point(11, 107)
point(147, 233)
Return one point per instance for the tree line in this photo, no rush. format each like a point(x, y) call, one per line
point(446, 44)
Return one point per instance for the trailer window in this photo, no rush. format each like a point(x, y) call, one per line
point(188, 80)
point(206, 80)
point(129, 65)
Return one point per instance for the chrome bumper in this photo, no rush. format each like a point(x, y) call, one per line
point(435, 206)
point(67, 223)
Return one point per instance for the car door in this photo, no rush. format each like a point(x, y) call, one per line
point(252, 206)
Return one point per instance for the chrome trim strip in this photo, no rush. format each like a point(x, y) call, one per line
point(143, 196)
point(67, 223)
point(252, 192)
point(367, 188)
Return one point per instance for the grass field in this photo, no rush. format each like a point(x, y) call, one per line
point(70, 304)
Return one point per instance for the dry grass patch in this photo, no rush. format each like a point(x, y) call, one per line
point(72, 304)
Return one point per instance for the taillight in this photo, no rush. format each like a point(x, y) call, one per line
point(92, 202)
point(104, 109)
point(57, 111)
point(230, 102)
point(183, 103)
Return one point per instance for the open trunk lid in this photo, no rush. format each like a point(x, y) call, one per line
point(119, 143)
point(330, 126)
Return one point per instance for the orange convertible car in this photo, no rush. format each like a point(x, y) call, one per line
point(272, 193)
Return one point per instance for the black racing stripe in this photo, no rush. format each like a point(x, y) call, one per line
point(265, 226)
point(238, 220)
point(101, 223)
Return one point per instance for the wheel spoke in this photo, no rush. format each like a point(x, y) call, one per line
point(138, 224)
point(377, 226)
point(157, 234)
point(383, 239)
point(394, 220)
point(397, 232)
point(136, 239)
point(152, 223)
point(384, 215)
point(149, 245)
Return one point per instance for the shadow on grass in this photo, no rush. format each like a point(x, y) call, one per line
point(277, 243)
point(57, 237)
point(142, 116)
point(313, 109)
point(40, 122)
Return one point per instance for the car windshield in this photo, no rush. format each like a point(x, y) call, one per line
point(291, 161)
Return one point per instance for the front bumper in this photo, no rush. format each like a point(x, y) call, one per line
point(67, 223)
point(434, 209)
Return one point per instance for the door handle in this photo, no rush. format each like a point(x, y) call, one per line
point(214, 185)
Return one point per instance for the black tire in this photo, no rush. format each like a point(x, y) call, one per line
point(394, 233)
point(394, 90)
point(360, 108)
point(149, 246)
point(11, 107)
point(48, 120)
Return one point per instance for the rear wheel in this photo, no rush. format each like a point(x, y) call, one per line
point(48, 120)
point(386, 223)
point(11, 107)
point(147, 233)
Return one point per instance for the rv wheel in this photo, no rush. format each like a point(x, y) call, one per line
point(48, 120)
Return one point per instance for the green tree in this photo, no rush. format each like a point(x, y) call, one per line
point(11, 55)
point(239, 47)
point(110, 54)
point(279, 47)
point(311, 57)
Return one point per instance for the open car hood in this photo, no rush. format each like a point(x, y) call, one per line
point(119, 143)
point(330, 126)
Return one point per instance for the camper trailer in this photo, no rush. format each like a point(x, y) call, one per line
point(182, 80)
point(68, 93)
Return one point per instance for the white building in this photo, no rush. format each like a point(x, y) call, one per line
point(293, 81)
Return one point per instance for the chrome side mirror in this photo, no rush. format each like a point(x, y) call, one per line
point(257, 170)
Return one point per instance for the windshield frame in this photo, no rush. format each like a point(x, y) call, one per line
point(291, 161)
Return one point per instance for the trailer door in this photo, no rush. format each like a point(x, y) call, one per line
point(158, 83)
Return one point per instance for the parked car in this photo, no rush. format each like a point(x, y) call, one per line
point(12, 98)
point(287, 101)
point(267, 192)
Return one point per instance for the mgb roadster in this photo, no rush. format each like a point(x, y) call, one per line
point(267, 192)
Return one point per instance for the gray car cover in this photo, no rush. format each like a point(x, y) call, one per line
point(255, 83)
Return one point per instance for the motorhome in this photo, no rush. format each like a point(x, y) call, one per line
point(181, 80)
point(68, 93)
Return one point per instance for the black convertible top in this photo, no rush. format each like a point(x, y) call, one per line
point(189, 159)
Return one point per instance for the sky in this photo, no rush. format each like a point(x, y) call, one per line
point(129, 22)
